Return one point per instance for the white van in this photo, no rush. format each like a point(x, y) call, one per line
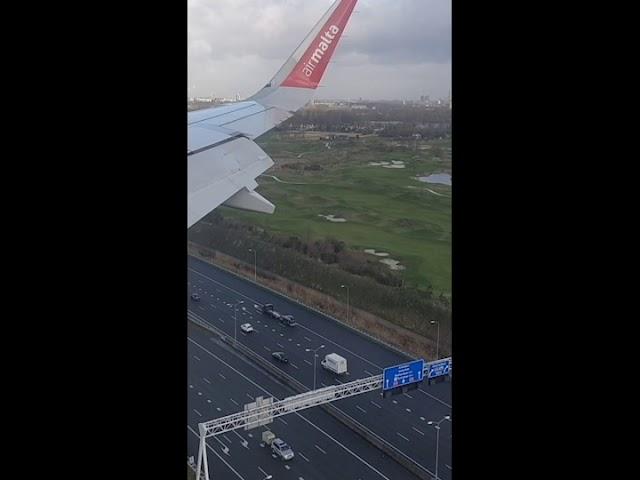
point(335, 363)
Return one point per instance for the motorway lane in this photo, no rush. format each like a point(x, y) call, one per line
point(401, 420)
point(220, 383)
point(364, 356)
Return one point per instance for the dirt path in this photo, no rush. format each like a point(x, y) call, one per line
point(436, 193)
point(282, 181)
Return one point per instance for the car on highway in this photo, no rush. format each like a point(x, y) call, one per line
point(280, 356)
point(280, 448)
point(246, 327)
point(288, 320)
point(195, 297)
point(269, 311)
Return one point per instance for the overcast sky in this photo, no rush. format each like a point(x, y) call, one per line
point(391, 48)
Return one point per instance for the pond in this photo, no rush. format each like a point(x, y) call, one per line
point(442, 178)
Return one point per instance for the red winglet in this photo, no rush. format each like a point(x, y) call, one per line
point(309, 69)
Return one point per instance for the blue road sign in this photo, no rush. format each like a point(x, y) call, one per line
point(404, 374)
point(438, 369)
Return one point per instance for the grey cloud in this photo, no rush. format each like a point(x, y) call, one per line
point(392, 48)
point(402, 31)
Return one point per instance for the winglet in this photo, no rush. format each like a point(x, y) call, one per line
point(292, 87)
point(309, 70)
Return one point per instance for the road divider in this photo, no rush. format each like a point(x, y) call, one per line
point(373, 438)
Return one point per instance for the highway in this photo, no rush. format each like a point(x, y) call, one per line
point(401, 420)
point(220, 383)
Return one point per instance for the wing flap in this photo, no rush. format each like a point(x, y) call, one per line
point(218, 173)
point(246, 199)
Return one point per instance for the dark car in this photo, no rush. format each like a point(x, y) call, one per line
point(195, 297)
point(280, 356)
point(288, 320)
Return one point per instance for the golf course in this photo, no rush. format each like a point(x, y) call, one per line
point(364, 191)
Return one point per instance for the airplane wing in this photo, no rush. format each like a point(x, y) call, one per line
point(223, 160)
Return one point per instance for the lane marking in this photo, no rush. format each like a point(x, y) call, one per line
point(435, 398)
point(320, 449)
point(294, 365)
point(217, 454)
point(309, 422)
point(375, 404)
point(407, 395)
point(243, 442)
point(448, 466)
point(206, 380)
point(300, 453)
point(196, 358)
point(263, 472)
point(197, 412)
point(402, 436)
point(369, 373)
point(361, 409)
point(234, 401)
point(281, 346)
point(252, 398)
point(309, 329)
point(421, 433)
point(223, 377)
point(267, 348)
point(307, 339)
point(282, 420)
point(308, 362)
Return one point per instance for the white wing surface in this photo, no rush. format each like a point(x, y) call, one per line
point(223, 160)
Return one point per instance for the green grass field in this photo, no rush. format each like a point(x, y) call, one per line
point(382, 212)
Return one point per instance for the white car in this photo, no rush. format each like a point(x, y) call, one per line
point(281, 449)
point(246, 327)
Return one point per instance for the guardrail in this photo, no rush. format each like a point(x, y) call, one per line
point(332, 410)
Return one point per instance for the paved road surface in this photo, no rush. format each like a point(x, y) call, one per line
point(220, 383)
point(401, 420)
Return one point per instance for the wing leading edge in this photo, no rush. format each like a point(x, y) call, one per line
point(223, 160)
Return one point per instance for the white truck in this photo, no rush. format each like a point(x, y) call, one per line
point(335, 363)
